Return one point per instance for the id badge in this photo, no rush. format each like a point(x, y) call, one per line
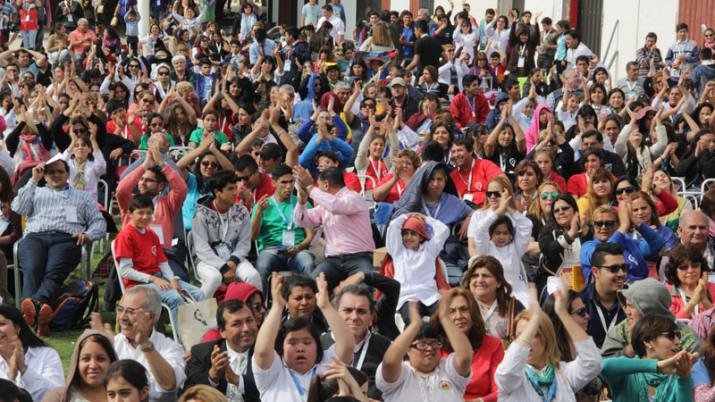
point(223, 252)
point(521, 62)
point(468, 197)
point(288, 238)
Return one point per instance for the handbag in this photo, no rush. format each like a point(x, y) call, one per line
point(194, 319)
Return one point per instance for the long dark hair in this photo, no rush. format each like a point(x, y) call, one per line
point(563, 340)
point(476, 331)
point(7, 192)
point(130, 370)
point(495, 268)
point(27, 337)
point(104, 342)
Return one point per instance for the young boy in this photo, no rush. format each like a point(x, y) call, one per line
point(141, 257)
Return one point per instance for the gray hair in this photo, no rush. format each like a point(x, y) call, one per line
point(693, 213)
point(153, 300)
point(178, 57)
point(341, 85)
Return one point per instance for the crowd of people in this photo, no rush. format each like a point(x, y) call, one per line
point(441, 206)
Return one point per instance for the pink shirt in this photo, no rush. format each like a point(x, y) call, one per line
point(77, 35)
point(344, 218)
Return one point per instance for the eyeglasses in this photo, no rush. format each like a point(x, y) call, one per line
point(625, 190)
point(685, 267)
point(495, 194)
point(148, 180)
point(671, 335)
point(242, 178)
point(369, 105)
point(424, 346)
point(209, 164)
point(131, 312)
point(80, 130)
point(156, 124)
point(560, 210)
point(581, 312)
point(604, 224)
point(163, 73)
point(147, 100)
point(553, 195)
point(615, 268)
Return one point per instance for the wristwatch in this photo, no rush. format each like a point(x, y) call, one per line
point(148, 348)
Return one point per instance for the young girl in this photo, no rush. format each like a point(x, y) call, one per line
point(131, 19)
point(85, 160)
point(413, 242)
point(126, 381)
point(505, 234)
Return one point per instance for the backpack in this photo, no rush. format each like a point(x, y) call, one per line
point(75, 305)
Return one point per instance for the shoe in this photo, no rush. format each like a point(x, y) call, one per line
point(43, 320)
point(29, 311)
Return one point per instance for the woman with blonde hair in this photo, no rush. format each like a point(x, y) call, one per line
point(532, 369)
point(600, 191)
point(380, 41)
point(202, 393)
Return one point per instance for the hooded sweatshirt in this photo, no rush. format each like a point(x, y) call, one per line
point(209, 232)
point(532, 134)
point(69, 391)
point(495, 115)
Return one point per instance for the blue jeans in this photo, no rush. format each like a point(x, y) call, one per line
point(270, 260)
point(340, 267)
point(46, 260)
point(28, 38)
point(173, 299)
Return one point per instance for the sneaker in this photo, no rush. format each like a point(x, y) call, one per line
point(29, 311)
point(43, 320)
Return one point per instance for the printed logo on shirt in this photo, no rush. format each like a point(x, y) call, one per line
point(445, 385)
point(153, 250)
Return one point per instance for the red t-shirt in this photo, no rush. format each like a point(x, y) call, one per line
point(376, 170)
point(143, 248)
point(481, 173)
point(352, 181)
point(485, 360)
point(396, 190)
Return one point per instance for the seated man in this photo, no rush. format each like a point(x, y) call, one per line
point(224, 363)
point(142, 260)
point(345, 221)
point(60, 221)
point(151, 178)
point(281, 245)
point(299, 293)
point(137, 314)
point(253, 184)
point(221, 235)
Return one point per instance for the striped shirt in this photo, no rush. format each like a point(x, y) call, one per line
point(67, 211)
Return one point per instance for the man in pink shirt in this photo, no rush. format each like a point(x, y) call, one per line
point(81, 38)
point(345, 221)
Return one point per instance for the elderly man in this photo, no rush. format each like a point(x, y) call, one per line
point(137, 314)
point(224, 363)
point(60, 220)
point(693, 232)
point(81, 38)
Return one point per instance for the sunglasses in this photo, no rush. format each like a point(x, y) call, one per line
point(242, 178)
point(581, 312)
point(209, 164)
point(163, 73)
point(625, 190)
point(560, 210)
point(604, 224)
point(671, 335)
point(685, 267)
point(553, 195)
point(495, 194)
point(615, 268)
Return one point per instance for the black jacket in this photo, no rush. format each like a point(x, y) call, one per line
point(197, 371)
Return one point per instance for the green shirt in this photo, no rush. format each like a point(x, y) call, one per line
point(144, 141)
point(198, 134)
point(628, 379)
point(273, 223)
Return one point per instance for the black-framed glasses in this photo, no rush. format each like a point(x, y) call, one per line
point(210, 164)
point(625, 190)
point(604, 224)
point(423, 346)
point(163, 73)
point(615, 268)
point(671, 335)
point(560, 210)
point(685, 267)
point(81, 130)
point(495, 194)
point(242, 178)
point(550, 194)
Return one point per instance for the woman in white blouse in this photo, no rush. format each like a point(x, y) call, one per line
point(532, 369)
point(85, 159)
point(24, 358)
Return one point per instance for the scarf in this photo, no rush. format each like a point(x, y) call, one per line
point(33, 149)
point(79, 181)
point(541, 380)
point(652, 379)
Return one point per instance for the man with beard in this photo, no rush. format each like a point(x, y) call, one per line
point(223, 364)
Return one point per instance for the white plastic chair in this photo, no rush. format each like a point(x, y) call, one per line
point(174, 332)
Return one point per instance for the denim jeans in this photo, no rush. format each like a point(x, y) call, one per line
point(340, 267)
point(46, 260)
point(173, 299)
point(28, 38)
point(270, 260)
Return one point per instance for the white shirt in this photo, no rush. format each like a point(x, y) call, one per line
point(466, 41)
point(573, 54)
point(277, 383)
point(44, 371)
point(444, 384)
point(171, 351)
point(445, 71)
point(239, 364)
point(338, 27)
point(509, 255)
point(513, 386)
point(93, 170)
point(415, 269)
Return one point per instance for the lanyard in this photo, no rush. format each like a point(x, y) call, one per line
point(287, 220)
point(436, 211)
point(469, 178)
point(685, 301)
point(472, 106)
point(377, 170)
point(612, 324)
point(363, 352)
point(222, 227)
point(296, 382)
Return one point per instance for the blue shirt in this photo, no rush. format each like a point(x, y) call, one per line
point(268, 47)
point(408, 51)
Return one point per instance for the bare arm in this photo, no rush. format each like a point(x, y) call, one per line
point(392, 359)
point(264, 349)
